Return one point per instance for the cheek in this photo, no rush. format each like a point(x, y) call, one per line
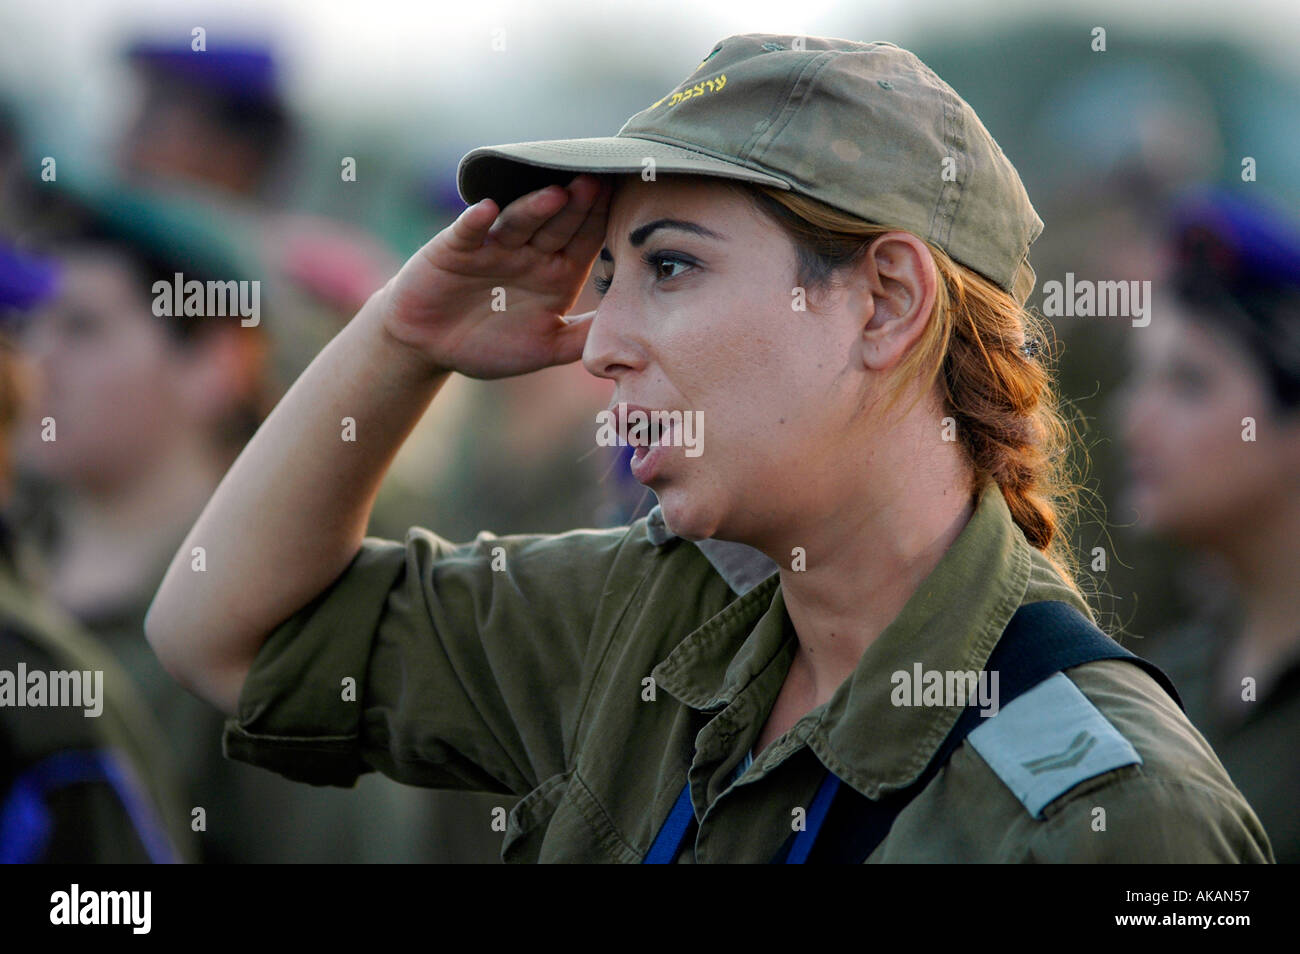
point(1202, 433)
point(120, 390)
point(778, 434)
point(763, 375)
point(1210, 461)
point(1262, 469)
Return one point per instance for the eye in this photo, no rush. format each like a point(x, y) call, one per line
point(1189, 381)
point(656, 262)
point(78, 323)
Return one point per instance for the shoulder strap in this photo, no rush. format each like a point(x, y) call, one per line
point(1040, 640)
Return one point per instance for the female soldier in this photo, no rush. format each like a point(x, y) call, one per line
point(876, 437)
point(1218, 380)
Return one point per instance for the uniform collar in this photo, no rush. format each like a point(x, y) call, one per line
point(952, 622)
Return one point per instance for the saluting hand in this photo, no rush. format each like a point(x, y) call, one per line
point(539, 250)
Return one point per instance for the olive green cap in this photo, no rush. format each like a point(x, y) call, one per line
point(864, 127)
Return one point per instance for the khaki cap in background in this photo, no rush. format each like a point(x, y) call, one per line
point(864, 127)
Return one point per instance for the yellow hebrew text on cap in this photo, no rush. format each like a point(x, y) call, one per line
point(699, 89)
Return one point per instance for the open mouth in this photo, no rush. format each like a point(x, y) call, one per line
point(644, 444)
point(643, 427)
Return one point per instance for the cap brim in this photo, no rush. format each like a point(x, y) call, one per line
point(506, 172)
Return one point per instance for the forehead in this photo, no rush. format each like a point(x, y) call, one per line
point(98, 276)
point(719, 205)
point(1178, 333)
point(677, 193)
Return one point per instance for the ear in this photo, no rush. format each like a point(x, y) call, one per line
point(899, 273)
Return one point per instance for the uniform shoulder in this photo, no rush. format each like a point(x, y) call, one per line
point(1109, 768)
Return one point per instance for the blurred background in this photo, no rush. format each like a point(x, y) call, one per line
point(313, 147)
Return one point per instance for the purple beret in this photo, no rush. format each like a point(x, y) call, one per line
point(26, 282)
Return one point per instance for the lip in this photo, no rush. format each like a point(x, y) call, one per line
point(647, 459)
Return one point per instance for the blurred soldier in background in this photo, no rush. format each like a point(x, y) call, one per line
point(211, 118)
point(150, 411)
point(212, 126)
point(74, 787)
point(1213, 437)
point(213, 134)
point(131, 421)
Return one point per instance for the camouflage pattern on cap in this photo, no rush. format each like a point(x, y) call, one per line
point(864, 127)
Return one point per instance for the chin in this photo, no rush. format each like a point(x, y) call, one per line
point(685, 516)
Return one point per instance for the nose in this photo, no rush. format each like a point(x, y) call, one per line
point(614, 345)
point(1137, 413)
point(36, 339)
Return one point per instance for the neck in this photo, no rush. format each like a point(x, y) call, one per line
point(1261, 560)
point(112, 538)
point(863, 566)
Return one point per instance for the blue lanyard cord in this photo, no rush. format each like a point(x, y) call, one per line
point(668, 843)
point(803, 842)
point(669, 840)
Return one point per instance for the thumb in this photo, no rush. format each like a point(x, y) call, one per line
point(572, 338)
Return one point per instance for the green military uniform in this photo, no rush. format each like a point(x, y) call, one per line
point(1257, 739)
point(75, 788)
point(592, 672)
point(254, 817)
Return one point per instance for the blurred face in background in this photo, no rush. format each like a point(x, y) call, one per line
point(118, 388)
point(1191, 475)
point(176, 135)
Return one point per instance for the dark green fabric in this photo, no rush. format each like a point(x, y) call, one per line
point(90, 824)
point(1257, 740)
point(531, 679)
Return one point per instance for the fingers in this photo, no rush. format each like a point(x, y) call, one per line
point(510, 228)
point(518, 222)
point(586, 316)
point(569, 342)
point(547, 219)
point(590, 236)
point(470, 229)
point(555, 233)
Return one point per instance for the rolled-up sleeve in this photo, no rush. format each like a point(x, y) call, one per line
point(455, 666)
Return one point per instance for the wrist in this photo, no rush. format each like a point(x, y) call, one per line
point(399, 355)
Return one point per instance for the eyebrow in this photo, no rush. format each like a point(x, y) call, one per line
point(637, 237)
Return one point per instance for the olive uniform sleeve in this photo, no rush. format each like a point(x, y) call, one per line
point(1152, 820)
point(1178, 805)
point(454, 666)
